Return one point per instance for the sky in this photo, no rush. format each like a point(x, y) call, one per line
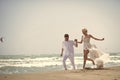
point(38, 26)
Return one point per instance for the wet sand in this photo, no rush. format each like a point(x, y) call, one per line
point(112, 73)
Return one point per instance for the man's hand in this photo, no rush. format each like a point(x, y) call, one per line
point(75, 40)
point(61, 54)
point(1, 39)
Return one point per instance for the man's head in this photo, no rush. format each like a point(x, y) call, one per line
point(66, 36)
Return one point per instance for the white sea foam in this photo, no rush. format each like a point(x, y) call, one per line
point(38, 63)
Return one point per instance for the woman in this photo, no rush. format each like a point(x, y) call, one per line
point(87, 46)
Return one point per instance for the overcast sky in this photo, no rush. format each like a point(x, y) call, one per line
point(38, 26)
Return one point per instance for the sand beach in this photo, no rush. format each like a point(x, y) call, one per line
point(112, 73)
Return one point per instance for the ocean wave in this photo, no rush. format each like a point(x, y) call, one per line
point(44, 63)
point(36, 62)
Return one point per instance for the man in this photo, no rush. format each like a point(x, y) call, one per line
point(68, 49)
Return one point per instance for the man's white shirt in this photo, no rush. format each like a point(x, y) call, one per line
point(68, 47)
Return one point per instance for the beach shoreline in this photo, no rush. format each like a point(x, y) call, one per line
point(112, 73)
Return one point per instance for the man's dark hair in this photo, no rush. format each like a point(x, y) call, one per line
point(66, 35)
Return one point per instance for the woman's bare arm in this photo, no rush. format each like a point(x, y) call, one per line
point(81, 40)
point(96, 38)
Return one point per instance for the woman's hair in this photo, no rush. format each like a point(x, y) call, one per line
point(84, 30)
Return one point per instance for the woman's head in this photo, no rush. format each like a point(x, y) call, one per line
point(84, 31)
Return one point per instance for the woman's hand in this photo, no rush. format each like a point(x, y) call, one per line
point(102, 39)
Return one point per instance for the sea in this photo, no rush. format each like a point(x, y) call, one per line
point(20, 64)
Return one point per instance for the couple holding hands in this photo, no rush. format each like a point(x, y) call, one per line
point(97, 57)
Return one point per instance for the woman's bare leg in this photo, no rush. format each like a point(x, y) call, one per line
point(86, 58)
point(91, 60)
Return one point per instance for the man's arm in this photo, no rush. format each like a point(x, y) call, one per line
point(62, 52)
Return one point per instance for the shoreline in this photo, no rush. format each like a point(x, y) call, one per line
point(111, 73)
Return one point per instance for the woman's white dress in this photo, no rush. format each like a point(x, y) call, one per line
point(94, 53)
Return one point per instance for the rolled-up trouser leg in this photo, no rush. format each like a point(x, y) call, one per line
point(71, 57)
point(64, 61)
